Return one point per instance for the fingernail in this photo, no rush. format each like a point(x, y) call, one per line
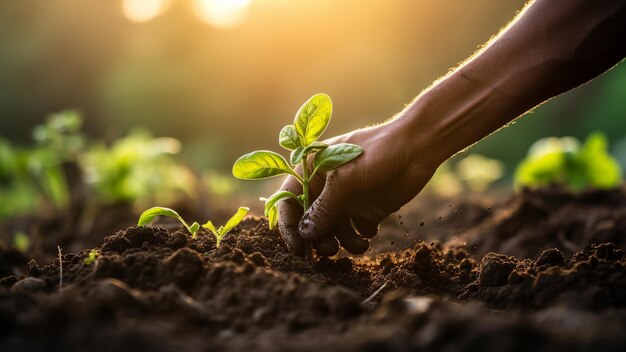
point(307, 228)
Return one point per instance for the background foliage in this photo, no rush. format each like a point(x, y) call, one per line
point(224, 90)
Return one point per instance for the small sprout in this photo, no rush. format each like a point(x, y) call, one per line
point(93, 255)
point(148, 215)
point(220, 232)
point(301, 138)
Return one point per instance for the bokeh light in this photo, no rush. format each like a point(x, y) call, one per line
point(143, 10)
point(222, 13)
point(223, 76)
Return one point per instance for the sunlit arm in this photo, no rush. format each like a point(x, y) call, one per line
point(551, 47)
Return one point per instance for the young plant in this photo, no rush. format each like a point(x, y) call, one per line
point(148, 215)
point(92, 256)
point(230, 224)
point(301, 139)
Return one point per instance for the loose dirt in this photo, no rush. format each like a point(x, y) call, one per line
point(509, 282)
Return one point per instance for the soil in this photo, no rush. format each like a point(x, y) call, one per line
point(542, 271)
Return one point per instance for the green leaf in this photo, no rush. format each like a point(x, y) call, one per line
point(149, 215)
point(261, 164)
point(274, 198)
point(209, 226)
point(272, 217)
point(288, 138)
point(296, 156)
point(235, 219)
point(194, 228)
point(299, 153)
point(336, 155)
point(312, 118)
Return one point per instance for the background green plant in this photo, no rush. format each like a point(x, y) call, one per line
point(564, 161)
point(137, 169)
point(31, 177)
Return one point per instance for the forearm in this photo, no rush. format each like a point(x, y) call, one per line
point(551, 47)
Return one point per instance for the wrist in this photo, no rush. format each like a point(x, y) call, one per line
point(423, 146)
point(453, 114)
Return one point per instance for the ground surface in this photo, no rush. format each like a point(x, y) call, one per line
point(556, 281)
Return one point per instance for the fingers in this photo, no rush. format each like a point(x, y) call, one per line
point(326, 246)
point(318, 221)
point(349, 239)
point(367, 228)
point(289, 215)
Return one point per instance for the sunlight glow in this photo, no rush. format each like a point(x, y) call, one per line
point(143, 10)
point(222, 13)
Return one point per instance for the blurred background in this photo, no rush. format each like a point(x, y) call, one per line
point(124, 104)
point(223, 76)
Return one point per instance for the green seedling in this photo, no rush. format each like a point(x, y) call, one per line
point(148, 215)
point(92, 256)
point(220, 232)
point(564, 161)
point(301, 139)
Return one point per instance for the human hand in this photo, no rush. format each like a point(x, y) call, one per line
point(351, 201)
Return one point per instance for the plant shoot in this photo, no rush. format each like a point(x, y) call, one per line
point(219, 233)
point(149, 215)
point(92, 256)
point(301, 138)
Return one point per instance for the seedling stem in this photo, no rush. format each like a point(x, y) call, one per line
point(301, 139)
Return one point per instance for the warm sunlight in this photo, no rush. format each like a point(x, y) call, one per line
point(222, 13)
point(143, 10)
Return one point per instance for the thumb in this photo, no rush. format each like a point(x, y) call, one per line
point(318, 221)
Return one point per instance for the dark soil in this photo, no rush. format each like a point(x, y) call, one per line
point(158, 290)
